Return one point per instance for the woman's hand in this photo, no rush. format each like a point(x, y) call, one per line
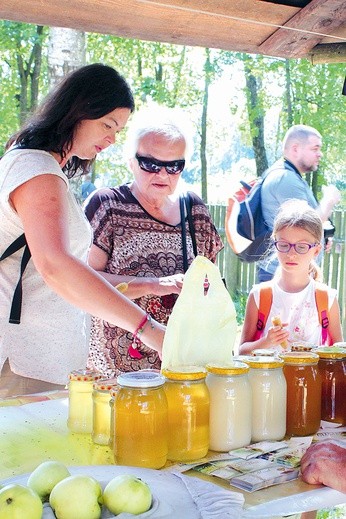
point(325, 463)
point(169, 285)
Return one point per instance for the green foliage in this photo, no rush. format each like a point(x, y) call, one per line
point(240, 300)
point(338, 512)
point(175, 75)
point(17, 44)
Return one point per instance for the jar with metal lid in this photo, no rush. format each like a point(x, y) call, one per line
point(301, 346)
point(140, 420)
point(230, 416)
point(332, 366)
point(269, 395)
point(101, 410)
point(303, 392)
point(80, 409)
point(188, 412)
point(263, 352)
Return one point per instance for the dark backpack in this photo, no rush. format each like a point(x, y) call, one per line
point(246, 231)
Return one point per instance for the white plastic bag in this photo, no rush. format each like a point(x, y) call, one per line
point(202, 327)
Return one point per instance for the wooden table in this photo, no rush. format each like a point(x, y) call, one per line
point(33, 429)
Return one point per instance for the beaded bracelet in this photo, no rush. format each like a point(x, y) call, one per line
point(136, 341)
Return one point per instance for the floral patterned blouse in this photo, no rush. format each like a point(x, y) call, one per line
point(139, 245)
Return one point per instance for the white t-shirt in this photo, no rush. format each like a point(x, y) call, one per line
point(50, 340)
point(299, 310)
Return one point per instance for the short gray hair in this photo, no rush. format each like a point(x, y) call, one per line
point(172, 123)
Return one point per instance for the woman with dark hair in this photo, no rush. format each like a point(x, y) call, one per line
point(38, 348)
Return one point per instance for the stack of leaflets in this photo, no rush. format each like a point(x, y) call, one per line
point(256, 466)
point(262, 464)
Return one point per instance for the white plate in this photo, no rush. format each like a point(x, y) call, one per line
point(174, 495)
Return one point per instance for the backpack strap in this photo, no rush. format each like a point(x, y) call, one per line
point(265, 303)
point(321, 297)
point(16, 307)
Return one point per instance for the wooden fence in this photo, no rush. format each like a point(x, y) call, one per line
point(241, 276)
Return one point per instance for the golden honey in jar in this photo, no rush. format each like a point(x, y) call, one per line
point(80, 408)
point(140, 420)
point(230, 416)
point(332, 366)
point(268, 386)
point(303, 393)
point(188, 412)
point(101, 410)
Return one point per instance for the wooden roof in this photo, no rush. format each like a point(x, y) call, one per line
point(313, 29)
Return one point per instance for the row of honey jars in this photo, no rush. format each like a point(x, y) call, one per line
point(89, 410)
point(161, 416)
point(332, 367)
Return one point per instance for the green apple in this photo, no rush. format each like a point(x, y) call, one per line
point(127, 493)
point(77, 497)
point(44, 478)
point(18, 501)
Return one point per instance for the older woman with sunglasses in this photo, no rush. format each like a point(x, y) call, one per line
point(138, 236)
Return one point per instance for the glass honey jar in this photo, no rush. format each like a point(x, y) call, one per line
point(101, 410)
point(332, 367)
point(188, 412)
point(80, 408)
point(269, 395)
point(303, 393)
point(230, 416)
point(140, 420)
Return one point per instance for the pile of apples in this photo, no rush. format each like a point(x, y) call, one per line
point(72, 496)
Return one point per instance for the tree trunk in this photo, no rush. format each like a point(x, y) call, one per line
point(66, 52)
point(29, 73)
point(204, 122)
point(256, 119)
point(288, 93)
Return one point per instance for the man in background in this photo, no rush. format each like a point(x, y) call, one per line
point(301, 154)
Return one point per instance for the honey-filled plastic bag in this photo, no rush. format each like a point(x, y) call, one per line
point(202, 327)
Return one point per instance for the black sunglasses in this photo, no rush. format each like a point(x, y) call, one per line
point(173, 167)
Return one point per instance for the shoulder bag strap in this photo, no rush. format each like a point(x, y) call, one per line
point(188, 203)
point(16, 307)
point(183, 231)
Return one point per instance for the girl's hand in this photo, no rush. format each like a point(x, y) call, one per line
point(276, 335)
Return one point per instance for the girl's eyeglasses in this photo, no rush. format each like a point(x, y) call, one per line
point(300, 248)
point(151, 165)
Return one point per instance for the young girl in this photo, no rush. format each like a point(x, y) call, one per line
point(297, 236)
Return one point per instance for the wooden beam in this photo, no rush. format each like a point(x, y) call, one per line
point(318, 18)
point(328, 53)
